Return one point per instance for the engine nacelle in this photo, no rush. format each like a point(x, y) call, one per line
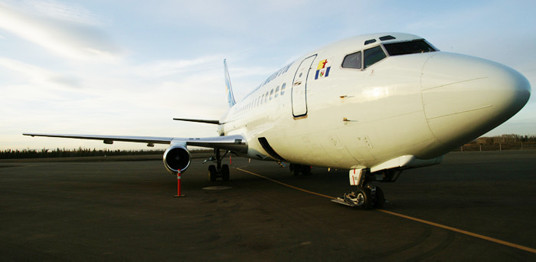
point(177, 158)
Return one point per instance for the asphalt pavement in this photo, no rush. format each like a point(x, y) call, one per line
point(474, 206)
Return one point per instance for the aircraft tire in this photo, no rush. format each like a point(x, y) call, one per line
point(295, 169)
point(306, 170)
point(380, 198)
point(212, 174)
point(225, 174)
point(364, 199)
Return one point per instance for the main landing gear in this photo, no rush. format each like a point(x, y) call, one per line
point(296, 169)
point(218, 170)
point(366, 195)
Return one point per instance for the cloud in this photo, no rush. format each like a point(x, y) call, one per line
point(203, 74)
point(163, 68)
point(37, 75)
point(257, 21)
point(59, 11)
point(61, 29)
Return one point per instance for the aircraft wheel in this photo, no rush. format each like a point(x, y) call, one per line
point(363, 198)
point(306, 170)
point(225, 174)
point(295, 169)
point(212, 174)
point(380, 198)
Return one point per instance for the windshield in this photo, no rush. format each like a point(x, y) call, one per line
point(373, 55)
point(411, 47)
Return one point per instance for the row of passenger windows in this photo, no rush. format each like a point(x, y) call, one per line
point(364, 59)
point(265, 98)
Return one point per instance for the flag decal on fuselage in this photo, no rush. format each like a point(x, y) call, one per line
point(322, 70)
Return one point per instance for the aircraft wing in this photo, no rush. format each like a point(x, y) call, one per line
point(206, 121)
point(234, 142)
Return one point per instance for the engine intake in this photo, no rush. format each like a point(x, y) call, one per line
point(177, 158)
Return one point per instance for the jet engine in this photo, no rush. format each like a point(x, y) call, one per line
point(177, 158)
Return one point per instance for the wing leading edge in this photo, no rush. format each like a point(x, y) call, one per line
point(235, 143)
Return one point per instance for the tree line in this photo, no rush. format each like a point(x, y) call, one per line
point(505, 139)
point(502, 142)
point(62, 152)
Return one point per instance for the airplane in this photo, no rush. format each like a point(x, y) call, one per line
point(373, 104)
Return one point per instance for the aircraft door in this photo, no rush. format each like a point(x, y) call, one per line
point(299, 87)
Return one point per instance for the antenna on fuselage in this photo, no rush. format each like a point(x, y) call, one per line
point(230, 96)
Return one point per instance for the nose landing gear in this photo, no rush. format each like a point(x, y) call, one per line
point(366, 195)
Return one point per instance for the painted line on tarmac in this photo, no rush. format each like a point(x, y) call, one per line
point(461, 231)
point(453, 229)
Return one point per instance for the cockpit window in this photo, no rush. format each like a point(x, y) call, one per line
point(411, 47)
point(373, 55)
point(387, 37)
point(368, 57)
point(370, 41)
point(352, 61)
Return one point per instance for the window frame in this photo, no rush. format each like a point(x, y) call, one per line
point(385, 52)
point(363, 68)
point(433, 48)
point(361, 60)
point(381, 48)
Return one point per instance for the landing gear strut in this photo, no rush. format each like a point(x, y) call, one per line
point(366, 195)
point(218, 170)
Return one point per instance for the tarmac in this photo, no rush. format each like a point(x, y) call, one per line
point(474, 206)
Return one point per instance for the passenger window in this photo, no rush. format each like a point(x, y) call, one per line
point(266, 97)
point(283, 88)
point(271, 94)
point(276, 92)
point(262, 99)
point(373, 55)
point(352, 61)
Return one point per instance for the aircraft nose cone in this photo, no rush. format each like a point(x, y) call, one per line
point(465, 97)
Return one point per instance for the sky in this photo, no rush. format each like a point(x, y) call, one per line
point(128, 67)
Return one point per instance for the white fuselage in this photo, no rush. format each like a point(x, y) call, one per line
point(417, 106)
